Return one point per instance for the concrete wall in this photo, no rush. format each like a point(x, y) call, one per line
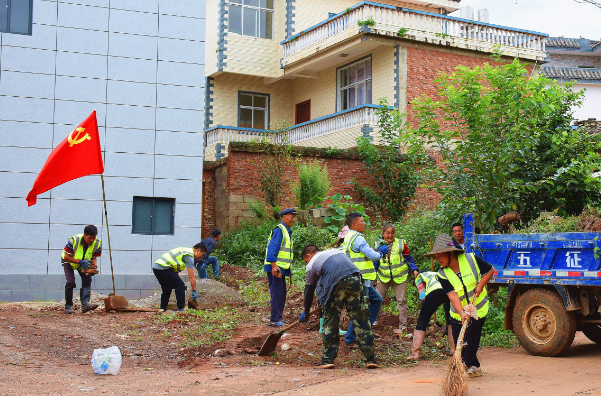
point(591, 105)
point(140, 64)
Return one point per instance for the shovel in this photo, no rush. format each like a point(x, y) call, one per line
point(272, 341)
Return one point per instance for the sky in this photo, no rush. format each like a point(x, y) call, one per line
point(565, 18)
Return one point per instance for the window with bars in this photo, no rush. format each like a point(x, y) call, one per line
point(15, 16)
point(354, 84)
point(153, 216)
point(253, 110)
point(251, 18)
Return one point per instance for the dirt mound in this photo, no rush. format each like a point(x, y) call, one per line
point(590, 222)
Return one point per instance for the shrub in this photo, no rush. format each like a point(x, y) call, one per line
point(312, 186)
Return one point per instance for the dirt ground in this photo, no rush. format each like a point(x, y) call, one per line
point(43, 351)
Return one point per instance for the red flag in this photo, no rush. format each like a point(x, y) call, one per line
point(78, 155)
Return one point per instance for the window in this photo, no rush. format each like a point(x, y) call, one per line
point(153, 216)
point(253, 111)
point(15, 16)
point(251, 18)
point(354, 84)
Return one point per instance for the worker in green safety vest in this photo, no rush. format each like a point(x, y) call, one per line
point(462, 276)
point(435, 296)
point(167, 268)
point(278, 258)
point(393, 271)
point(362, 255)
point(79, 255)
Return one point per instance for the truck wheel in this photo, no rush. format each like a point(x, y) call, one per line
point(541, 323)
point(593, 332)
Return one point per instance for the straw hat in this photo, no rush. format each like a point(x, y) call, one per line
point(443, 243)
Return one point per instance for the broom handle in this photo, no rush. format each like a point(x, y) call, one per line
point(459, 345)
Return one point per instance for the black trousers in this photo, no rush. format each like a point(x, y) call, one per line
point(86, 280)
point(170, 280)
point(430, 304)
point(473, 333)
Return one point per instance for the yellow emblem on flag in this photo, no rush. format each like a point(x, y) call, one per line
point(76, 140)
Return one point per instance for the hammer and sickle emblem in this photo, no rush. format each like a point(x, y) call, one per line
point(76, 140)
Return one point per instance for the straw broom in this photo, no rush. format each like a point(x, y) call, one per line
point(455, 379)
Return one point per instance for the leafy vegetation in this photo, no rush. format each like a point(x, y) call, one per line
point(402, 32)
point(368, 22)
point(505, 143)
point(208, 327)
point(343, 205)
point(312, 186)
point(394, 176)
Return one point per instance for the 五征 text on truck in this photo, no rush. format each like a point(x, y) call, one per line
point(553, 284)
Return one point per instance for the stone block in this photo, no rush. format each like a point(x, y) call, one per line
point(105, 282)
point(236, 198)
point(28, 295)
point(315, 213)
point(250, 198)
point(55, 295)
point(235, 213)
point(248, 213)
point(14, 282)
point(140, 282)
point(241, 205)
point(5, 296)
point(318, 222)
point(46, 282)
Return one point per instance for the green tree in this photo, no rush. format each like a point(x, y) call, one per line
point(504, 142)
point(312, 186)
point(395, 176)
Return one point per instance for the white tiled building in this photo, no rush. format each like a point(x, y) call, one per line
point(140, 65)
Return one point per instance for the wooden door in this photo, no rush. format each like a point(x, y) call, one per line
point(303, 112)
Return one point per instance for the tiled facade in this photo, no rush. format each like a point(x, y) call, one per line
point(140, 64)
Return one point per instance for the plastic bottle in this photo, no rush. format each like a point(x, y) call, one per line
point(421, 287)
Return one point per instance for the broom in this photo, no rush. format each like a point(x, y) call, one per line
point(455, 379)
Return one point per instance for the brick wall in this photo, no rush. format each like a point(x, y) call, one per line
point(237, 182)
point(208, 201)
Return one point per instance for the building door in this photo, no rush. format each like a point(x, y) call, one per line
point(303, 112)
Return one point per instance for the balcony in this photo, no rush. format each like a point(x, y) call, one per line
point(341, 33)
point(338, 130)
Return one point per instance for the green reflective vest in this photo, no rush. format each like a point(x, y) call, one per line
point(470, 275)
point(431, 281)
point(174, 258)
point(395, 269)
point(285, 255)
point(77, 241)
point(366, 267)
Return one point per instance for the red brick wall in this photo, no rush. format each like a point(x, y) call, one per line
point(239, 184)
point(208, 202)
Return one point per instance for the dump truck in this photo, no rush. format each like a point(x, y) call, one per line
point(553, 284)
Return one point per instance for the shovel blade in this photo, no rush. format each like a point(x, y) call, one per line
point(192, 304)
point(115, 302)
point(270, 344)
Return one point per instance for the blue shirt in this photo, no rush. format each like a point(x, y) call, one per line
point(210, 244)
point(274, 248)
point(361, 245)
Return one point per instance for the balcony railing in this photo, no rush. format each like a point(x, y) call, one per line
point(409, 23)
point(355, 117)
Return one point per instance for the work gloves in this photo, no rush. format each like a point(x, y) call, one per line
point(303, 317)
point(85, 264)
point(383, 249)
point(194, 295)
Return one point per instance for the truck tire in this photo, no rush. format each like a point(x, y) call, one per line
point(541, 323)
point(593, 332)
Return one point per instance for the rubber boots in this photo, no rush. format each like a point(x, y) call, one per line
point(69, 301)
point(85, 293)
point(451, 341)
point(416, 348)
point(340, 332)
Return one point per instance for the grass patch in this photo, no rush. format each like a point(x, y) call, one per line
point(208, 327)
point(254, 294)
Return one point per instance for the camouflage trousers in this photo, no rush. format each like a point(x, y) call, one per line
point(349, 293)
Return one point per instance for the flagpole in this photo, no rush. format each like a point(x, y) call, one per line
point(108, 236)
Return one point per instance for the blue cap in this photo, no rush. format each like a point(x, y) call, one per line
point(288, 211)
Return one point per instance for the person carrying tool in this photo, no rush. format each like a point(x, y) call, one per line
point(338, 284)
point(278, 257)
point(461, 277)
point(435, 297)
point(361, 254)
point(394, 269)
point(79, 255)
point(201, 265)
point(167, 268)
